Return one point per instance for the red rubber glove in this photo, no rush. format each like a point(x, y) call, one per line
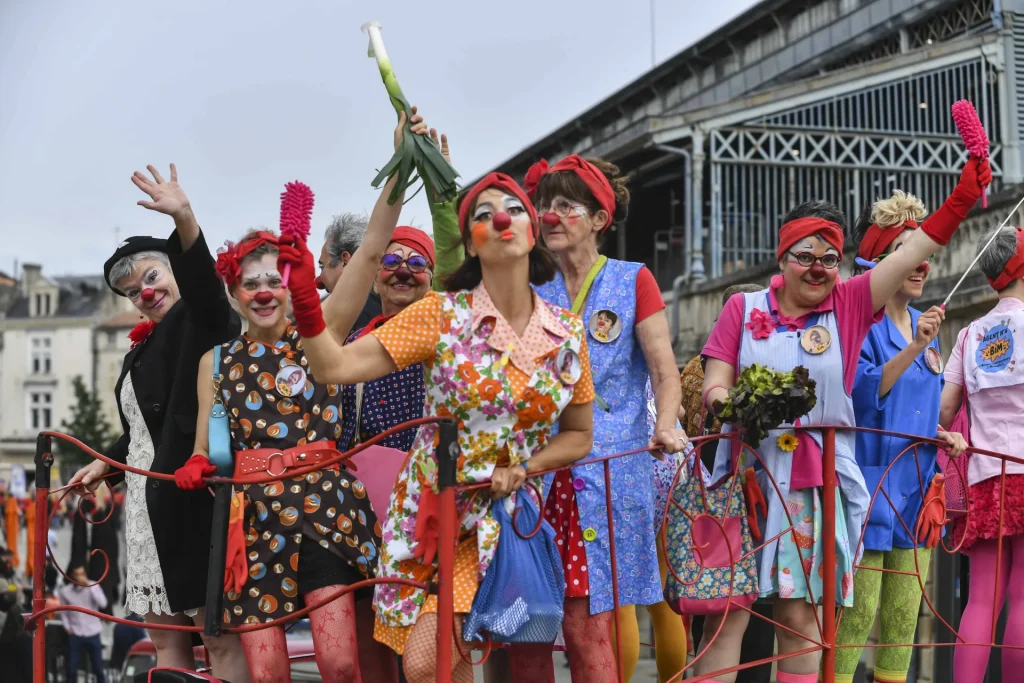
point(755, 499)
point(427, 526)
point(933, 514)
point(309, 318)
point(235, 569)
point(190, 475)
point(976, 175)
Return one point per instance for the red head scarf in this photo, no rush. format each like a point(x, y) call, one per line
point(877, 239)
point(591, 175)
point(796, 230)
point(415, 239)
point(230, 256)
point(505, 184)
point(1014, 268)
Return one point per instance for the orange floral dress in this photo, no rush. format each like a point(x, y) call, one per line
point(506, 393)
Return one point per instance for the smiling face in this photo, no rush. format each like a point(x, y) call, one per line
point(495, 241)
point(399, 288)
point(807, 286)
point(260, 295)
point(604, 323)
point(913, 286)
point(151, 288)
point(576, 225)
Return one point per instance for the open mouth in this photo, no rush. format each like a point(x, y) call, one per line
point(264, 311)
point(814, 283)
point(401, 286)
point(916, 279)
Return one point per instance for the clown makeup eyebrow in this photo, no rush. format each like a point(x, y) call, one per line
point(807, 245)
point(509, 202)
point(481, 209)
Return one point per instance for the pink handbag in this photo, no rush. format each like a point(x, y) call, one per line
point(378, 467)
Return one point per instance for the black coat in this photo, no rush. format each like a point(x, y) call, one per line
point(164, 369)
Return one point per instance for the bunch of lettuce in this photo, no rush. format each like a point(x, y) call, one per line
point(762, 399)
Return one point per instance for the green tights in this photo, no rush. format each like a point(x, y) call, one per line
point(901, 602)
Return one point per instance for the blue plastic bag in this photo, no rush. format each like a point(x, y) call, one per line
point(522, 596)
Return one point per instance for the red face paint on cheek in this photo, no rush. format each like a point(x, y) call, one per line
point(479, 234)
point(530, 239)
point(420, 278)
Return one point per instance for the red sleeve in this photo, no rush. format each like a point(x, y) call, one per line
point(854, 317)
point(724, 342)
point(648, 295)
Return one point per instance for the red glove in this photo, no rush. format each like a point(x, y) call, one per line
point(755, 499)
point(933, 514)
point(309, 318)
point(976, 175)
point(427, 526)
point(190, 475)
point(235, 569)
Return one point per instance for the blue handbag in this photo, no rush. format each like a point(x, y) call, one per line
point(522, 596)
point(219, 431)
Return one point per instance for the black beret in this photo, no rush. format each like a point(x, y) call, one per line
point(132, 245)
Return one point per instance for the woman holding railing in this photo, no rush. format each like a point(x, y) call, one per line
point(986, 363)
point(500, 361)
point(808, 317)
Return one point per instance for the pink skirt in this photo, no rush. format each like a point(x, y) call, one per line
point(983, 521)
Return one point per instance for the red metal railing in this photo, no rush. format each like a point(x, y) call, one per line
point(449, 523)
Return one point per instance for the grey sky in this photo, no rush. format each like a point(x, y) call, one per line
point(245, 96)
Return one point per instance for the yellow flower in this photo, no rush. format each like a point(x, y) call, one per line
point(787, 442)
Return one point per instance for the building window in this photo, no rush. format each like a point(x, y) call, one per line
point(40, 410)
point(41, 358)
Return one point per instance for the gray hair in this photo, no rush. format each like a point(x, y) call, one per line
point(740, 289)
point(126, 265)
point(345, 233)
point(996, 256)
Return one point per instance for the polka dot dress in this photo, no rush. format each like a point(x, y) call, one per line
point(562, 514)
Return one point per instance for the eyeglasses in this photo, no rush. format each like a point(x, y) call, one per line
point(807, 259)
point(563, 208)
point(415, 263)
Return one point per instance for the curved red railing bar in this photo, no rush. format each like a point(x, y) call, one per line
point(451, 515)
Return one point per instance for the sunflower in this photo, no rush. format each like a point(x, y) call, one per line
point(995, 349)
point(787, 442)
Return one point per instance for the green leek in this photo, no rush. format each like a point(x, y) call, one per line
point(417, 157)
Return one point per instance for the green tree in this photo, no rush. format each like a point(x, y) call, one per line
point(87, 424)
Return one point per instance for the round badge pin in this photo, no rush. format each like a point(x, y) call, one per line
point(933, 360)
point(816, 340)
point(605, 326)
point(290, 380)
point(569, 366)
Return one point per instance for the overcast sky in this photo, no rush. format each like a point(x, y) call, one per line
point(245, 96)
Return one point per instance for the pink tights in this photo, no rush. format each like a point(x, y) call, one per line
point(588, 642)
point(334, 643)
point(986, 599)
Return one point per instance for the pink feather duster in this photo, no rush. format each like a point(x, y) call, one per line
point(973, 134)
point(296, 213)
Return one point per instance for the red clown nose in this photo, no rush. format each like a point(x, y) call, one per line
point(501, 221)
point(148, 294)
point(263, 298)
point(550, 218)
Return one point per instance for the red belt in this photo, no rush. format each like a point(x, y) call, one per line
point(259, 462)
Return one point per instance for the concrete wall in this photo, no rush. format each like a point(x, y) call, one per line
point(699, 307)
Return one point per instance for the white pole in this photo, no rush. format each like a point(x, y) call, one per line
point(976, 258)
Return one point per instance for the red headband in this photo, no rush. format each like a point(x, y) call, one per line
point(877, 239)
point(1013, 269)
point(501, 182)
point(230, 256)
point(591, 175)
point(796, 230)
point(415, 239)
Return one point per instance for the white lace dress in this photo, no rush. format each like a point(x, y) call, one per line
point(144, 587)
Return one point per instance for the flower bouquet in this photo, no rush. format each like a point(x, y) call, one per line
point(762, 399)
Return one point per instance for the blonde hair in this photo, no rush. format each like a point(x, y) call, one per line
point(899, 208)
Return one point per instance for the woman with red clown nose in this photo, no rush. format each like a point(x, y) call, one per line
point(491, 350)
point(897, 389)
point(174, 286)
point(808, 317)
point(983, 364)
point(632, 355)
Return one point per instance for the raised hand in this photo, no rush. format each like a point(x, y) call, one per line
point(442, 144)
point(416, 125)
point(294, 253)
point(167, 196)
point(928, 326)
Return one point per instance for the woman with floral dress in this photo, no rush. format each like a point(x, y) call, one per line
point(491, 350)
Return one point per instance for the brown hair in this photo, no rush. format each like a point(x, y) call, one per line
point(571, 186)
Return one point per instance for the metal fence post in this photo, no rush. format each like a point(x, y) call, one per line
point(828, 541)
point(447, 455)
point(44, 461)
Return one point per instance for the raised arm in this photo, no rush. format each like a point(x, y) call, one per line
point(888, 276)
point(346, 301)
point(447, 239)
point(191, 262)
point(361, 361)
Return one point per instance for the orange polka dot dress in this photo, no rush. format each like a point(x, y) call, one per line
point(505, 393)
